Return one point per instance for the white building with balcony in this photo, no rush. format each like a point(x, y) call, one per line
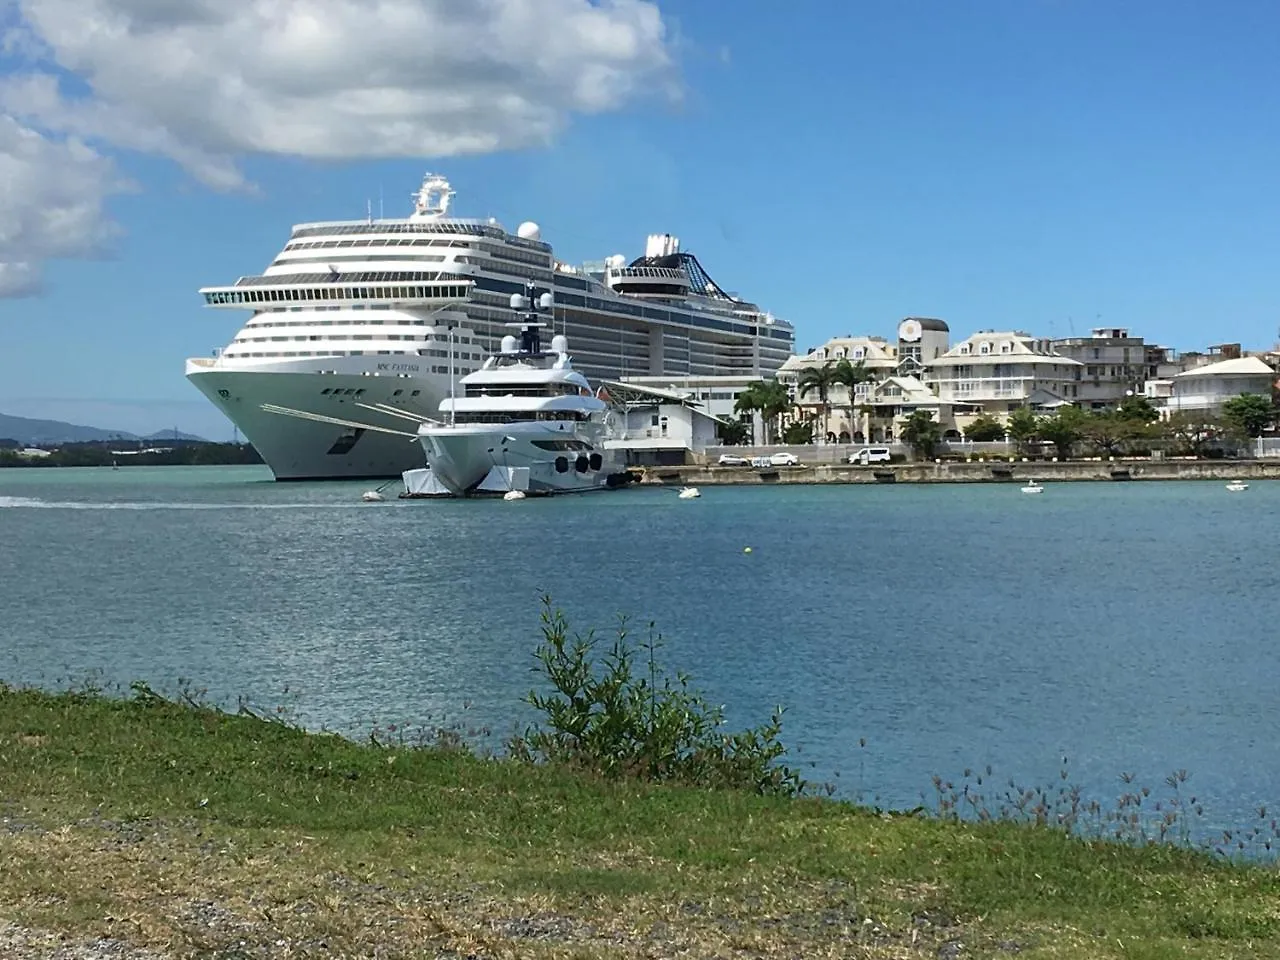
point(1205, 389)
point(875, 354)
point(1001, 371)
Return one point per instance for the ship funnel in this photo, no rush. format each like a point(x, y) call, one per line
point(661, 245)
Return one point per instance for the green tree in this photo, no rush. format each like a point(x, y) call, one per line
point(985, 429)
point(849, 375)
point(799, 432)
point(1192, 432)
point(1022, 427)
point(1064, 429)
point(1137, 408)
point(818, 380)
point(922, 433)
point(1249, 414)
point(769, 398)
point(1109, 430)
point(733, 433)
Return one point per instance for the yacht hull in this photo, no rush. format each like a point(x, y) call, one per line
point(461, 457)
point(298, 449)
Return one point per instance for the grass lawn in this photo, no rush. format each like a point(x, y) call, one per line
point(191, 832)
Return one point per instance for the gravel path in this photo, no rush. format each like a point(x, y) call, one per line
point(21, 943)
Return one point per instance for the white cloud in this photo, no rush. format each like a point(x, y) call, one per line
point(207, 81)
point(51, 203)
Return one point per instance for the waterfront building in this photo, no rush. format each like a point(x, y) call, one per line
point(920, 340)
point(660, 427)
point(1113, 365)
point(892, 401)
point(717, 396)
point(1205, 389)
point(996, 372)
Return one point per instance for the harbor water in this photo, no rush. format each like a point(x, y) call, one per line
point(909, 630)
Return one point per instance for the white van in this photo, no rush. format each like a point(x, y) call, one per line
point(869, 455)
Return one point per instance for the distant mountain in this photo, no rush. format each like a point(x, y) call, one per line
point(174, 435)
point(26, 430)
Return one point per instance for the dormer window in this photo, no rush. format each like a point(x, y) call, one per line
point(1006, 347)
point(964, 349)
point(858, 353)
point(985, 348)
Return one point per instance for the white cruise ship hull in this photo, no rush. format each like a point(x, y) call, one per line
point(298, 449)
point(461, 457)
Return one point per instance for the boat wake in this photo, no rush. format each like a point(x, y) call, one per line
point(37, 504)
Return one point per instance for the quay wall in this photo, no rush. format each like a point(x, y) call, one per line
point(966, 472)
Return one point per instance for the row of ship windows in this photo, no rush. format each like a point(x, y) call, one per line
point(374, 242)
point(434, 226)
point(464, 355)
point(514, 390)
point(649, 313)
point(432, 292)
point(490, 417)
point(499, 252)
point(256, 324)
point(501, 288)
point(361, 258)
point(358, 276)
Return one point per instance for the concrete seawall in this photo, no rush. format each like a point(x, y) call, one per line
point(964, 472)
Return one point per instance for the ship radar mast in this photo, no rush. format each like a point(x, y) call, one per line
point(528, 306)
point(432, 199)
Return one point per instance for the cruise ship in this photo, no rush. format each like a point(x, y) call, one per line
point(356, 320)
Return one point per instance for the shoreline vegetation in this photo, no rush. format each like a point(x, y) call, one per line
point(625, 822)
point(132, 453)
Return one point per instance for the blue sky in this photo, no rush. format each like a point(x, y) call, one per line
point(1046, 165)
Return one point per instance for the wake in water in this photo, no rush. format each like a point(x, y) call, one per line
point(38, 504)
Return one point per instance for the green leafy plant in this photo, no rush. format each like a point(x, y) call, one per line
point(984, 429)
point(618, 716)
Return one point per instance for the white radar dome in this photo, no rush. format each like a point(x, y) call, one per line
point(529, 231)
point(559, 343)
point(616, 261)
point(508, 344)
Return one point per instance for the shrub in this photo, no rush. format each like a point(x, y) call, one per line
point(605, 715)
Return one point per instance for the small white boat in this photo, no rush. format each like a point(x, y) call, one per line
point(513, 495)
point(1033, 487)
point(688, 493)
point(1235, 486)
point(371, 496)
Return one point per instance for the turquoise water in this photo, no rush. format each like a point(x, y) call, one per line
point(1128, 627)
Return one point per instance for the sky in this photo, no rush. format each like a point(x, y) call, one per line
point(1043, 165)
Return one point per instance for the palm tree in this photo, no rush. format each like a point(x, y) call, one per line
point(769, 398)
point(850, 375)
point(819, 380)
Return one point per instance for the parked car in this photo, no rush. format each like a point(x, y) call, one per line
point(733, 460)
point(870, 455)
point(784, 460)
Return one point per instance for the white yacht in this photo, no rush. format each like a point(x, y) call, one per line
point(526, 421)
point(384, 315)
